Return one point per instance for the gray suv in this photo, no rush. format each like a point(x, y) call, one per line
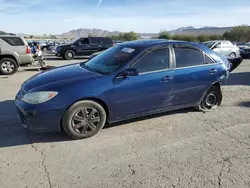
point(14, 52)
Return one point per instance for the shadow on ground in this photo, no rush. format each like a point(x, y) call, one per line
point(13, 134)
point(244, 104)
point(239, 78)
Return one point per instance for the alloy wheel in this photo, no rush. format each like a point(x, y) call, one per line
point(85, 120)
point(8, 66)
point(70, 55)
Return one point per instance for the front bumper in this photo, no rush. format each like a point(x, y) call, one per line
point(36, 119)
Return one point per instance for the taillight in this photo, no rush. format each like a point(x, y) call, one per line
point(113, 44)
point(28, 50)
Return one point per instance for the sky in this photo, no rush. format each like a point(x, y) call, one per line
point(144, 16)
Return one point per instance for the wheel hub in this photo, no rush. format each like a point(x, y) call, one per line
point(211, 99)
point(85, 120)
point(70, 55)
point(7, 66)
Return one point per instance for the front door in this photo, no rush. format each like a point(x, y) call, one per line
point(193, 74)
point(147, 92)
point(83, 47)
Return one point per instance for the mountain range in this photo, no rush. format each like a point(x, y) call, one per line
point(190, 30)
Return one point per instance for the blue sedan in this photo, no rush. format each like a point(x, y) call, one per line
point(129, 80)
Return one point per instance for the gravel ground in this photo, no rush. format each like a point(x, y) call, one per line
point(182, 149)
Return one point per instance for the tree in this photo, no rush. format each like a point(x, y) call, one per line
point(31, 37)
point(2, 33)
point(203, 38)
point(238, 34)
point(92, 35)
point(164, 35)
point(130, 36)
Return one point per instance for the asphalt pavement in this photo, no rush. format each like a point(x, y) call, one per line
point(179, 149)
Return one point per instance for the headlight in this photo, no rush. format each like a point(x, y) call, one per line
point(39, 97)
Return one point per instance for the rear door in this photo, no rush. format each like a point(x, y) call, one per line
point(194, 72)
point(106, 42)
point(95, 44)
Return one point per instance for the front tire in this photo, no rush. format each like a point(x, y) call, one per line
point(8, 66)
point(233, 55)
point(69, 55)
point(84, 119)
point(211, 100)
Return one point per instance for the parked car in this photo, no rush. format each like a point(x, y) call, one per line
point(83, 46)
point(244, 50)
point(129, 80)
point(223, 47)
point(14, 52)
point(97, 53)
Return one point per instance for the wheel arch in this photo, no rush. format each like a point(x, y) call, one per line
point(216, 84)
point(11, 57)
point(97, 100)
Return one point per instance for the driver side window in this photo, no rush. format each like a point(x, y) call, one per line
point(84, 41)
point(218, 45)
point(153, 61)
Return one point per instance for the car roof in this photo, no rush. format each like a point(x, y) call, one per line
point(145, 43)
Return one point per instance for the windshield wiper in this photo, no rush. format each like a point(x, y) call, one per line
point(91, 69)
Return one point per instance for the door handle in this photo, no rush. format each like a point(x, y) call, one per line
point(212, 71)
point(166, 78)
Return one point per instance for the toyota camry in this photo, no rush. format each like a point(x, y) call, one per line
point(129, 80)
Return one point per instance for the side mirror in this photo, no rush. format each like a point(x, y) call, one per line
point(129, 72)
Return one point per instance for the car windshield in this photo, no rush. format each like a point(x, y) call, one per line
point(209, 44)
point(73, 41)
point(110, 60)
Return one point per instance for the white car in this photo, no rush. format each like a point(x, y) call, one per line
point(223, 47)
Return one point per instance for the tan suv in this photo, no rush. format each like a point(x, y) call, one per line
point(14, 52)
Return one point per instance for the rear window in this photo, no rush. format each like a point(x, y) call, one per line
point(187, 56)
point(95, 40)
point(110, 60)
point(13, 41)
point(106, 40)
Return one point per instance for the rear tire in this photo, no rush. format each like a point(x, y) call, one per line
point(8, 66)
point(84, 119)
point(69, 55)
point(211, 100)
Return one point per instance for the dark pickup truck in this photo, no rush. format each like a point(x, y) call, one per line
point(83, 47)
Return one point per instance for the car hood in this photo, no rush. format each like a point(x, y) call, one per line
point(57, 75)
